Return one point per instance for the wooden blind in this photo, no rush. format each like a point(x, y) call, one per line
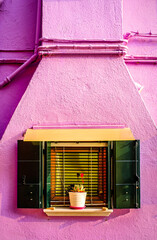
point(78, 165)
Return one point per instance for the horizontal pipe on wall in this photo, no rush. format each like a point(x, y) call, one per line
point(131, 34)
point(16, 50)
point(12, 61)
point(48, 53)
point(77, 47)
point(140, 59)
point(124, 41)
point(81, 46)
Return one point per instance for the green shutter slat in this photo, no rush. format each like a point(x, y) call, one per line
point(126, 174)
point(29, 194)
point(48, 175)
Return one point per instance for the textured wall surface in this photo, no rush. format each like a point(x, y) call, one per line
point(139, 16)
point(82, 19)
point(82, 90)
point(79, 90)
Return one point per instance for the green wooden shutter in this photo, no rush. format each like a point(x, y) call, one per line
point(109, 181)
point(126, 174)
point(29, 194)
point(48, 175)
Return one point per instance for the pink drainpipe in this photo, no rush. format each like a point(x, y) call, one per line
point(34, 56)
point(68, 47)
point(10, 61)
point(137, 34)
point(140, 59)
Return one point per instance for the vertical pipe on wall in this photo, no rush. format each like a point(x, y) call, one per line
point(38, 25)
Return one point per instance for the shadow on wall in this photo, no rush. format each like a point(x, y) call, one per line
point(12, 93)
point(36, 215)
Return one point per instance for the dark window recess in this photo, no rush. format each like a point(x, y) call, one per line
point(110, 174)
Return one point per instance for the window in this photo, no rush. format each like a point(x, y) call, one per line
point(78, 164)
point(110, 171)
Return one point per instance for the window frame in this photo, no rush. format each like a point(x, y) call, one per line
point(84, 147)
point(42, 194)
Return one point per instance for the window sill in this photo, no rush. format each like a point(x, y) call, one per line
point(66, 211)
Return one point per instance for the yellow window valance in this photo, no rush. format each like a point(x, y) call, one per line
point(78, 134)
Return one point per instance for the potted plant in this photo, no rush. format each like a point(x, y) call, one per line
point(77, 197)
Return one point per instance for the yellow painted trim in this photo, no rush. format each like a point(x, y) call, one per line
point(78, 134)
point(66, 211)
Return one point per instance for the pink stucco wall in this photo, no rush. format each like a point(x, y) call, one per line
point(84, 20)
point(78, 90)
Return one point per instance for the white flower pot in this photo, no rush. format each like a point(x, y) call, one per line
point(77, 199)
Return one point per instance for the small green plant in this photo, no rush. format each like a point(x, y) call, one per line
point(69, 189)
point(78, 188)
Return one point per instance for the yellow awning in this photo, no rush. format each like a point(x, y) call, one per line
point(78, 134)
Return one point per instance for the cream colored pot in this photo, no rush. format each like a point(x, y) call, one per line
point(77, 199)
